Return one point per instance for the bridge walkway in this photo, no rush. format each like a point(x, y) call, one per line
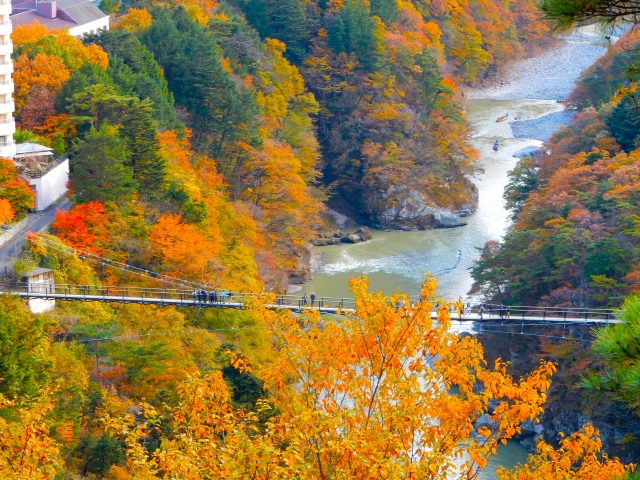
point(336, 306)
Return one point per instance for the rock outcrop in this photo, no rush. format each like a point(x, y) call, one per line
point(334, 237)
point(407, 208)
point(327, 238)
point(360, 235)
point(568, 407)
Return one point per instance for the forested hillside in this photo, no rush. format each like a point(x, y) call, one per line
point(574, 241)
point(229, 126)
point(205, 141)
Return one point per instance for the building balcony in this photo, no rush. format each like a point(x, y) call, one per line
point(6, 67)
point(7, 106)
point(7, 149)
point(42, 171)
point(7, 127)
point(6, 87)
point(5, 27)
point(6, 48)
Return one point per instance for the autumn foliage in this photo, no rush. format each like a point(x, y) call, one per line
point(85, 227)
point(382, 392)
point(17, 196)
point(47, 58)
point(575, 237)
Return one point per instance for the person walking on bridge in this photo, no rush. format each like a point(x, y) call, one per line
point(481, 310)
point(215, 296)
point(508, 311)
point(313, 298)
point(304, 299)
point(223, 296)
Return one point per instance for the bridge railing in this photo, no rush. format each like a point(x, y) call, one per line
point(224, 298)
point(181, 296)
point(492, 311)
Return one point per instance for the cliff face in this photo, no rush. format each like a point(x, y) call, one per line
point(411, 207)
point(568, 406)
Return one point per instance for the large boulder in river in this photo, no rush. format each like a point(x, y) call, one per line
point(360, 235)
point(529, 151)
point(329, 237)
point(407, 208)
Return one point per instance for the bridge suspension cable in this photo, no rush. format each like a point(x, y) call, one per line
point(122, 266)
point(235, 329)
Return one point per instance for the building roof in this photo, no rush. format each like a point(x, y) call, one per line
point(62, 4)
point(80, 12)
point(37, 271)
point(25, 18)
point(84, 12)
point(27, 148)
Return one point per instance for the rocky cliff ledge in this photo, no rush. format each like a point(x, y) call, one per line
point(568, 406)
point(403, 207)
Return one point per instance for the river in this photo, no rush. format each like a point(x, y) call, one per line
point(396, 261)
point(399, 260)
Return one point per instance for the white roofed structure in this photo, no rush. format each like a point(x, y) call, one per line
point(46, 174)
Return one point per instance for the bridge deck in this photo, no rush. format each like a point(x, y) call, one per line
point(175, 298)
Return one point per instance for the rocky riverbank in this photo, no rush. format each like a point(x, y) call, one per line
point(568, 406)
point(541, 128)
point(552, 75)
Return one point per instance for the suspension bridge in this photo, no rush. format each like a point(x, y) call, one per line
point(186, 294)
point(325, 305)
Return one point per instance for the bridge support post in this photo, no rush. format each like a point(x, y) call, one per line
point(38, 283)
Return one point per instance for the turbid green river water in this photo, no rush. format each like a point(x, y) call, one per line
point(398, 260)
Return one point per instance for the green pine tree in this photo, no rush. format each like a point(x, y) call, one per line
point(138, 130)
point(284, 20)
point(24, 363)
point(99, 167)
point(619, 347)
point(624, 123)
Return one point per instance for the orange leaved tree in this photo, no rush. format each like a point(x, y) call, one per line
point(6, 211)
point(14, 190)
point(182, 250)
point(577, 458)
point(385, 392)
point(28, 451)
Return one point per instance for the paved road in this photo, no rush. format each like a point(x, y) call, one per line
point(37, 221)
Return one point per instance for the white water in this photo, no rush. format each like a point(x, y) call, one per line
point(398, 260)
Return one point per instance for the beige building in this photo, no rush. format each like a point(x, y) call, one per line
point(7, 107)
point(80, 17)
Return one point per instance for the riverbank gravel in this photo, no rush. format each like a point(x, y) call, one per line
point(541, 128)
point(551, 76)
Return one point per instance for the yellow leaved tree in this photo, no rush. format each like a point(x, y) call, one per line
point(385, 392)
point(27, 449)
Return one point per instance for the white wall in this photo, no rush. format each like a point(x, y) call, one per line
point(101, 23)
point(52, 186)
point(41, 284)
point(11, 233)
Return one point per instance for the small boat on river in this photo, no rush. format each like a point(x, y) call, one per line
point(496, 145)
point(502, 118)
